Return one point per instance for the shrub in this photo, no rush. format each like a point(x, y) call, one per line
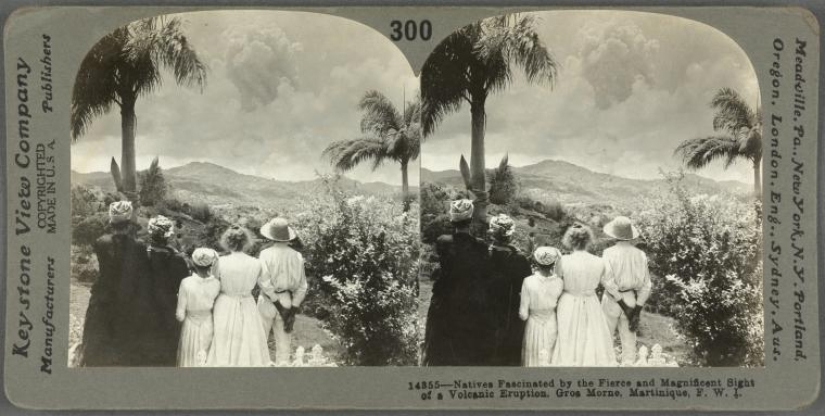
point(201, 212)
point(709, 251)
point(85, 230)
point(152, 185)
point(84, 266)
point(504, 184)
point(367, 252)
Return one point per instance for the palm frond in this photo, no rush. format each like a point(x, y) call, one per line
point(732, 112)
point(96, 84)
point(698, 153)
point(381, 115)
point(445, 77)
point(345, 155)
point(513, 39)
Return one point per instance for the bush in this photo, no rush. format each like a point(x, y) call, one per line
point(709, 251)
point(84, 266)
point(367, 252)
point(504, 184)
point(201, 212)
point(152, 185)
point(85, 230)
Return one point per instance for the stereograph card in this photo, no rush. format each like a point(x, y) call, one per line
point(412, 208)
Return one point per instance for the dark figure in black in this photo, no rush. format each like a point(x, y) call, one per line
point(167, 267)
point(508, 268)
point(459, 328)
point(109, 335)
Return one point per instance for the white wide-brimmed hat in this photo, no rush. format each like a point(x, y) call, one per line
point(278, 229)
point(621, 228)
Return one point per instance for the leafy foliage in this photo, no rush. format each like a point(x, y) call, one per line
point(367, 255)
point(743, 139)
point(153, 186)
point(127, 63)
point(708, 249)
point(478, 60)
point(504, 185)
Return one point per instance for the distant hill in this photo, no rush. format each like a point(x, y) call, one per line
point(571, 184)
point(220, 186)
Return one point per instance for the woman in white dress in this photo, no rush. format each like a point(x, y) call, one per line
point(196, 298)
point(239, 333)
point(584, 337)
point(539, 294)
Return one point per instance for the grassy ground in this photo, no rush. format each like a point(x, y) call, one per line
point(654, 328)
point(307, 333)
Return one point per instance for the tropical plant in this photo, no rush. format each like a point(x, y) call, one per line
point(473, 63)
point(152, 184)
point(504, 184)
point(123, 66)
point(743, 139)
point(389, 135)
point(707, 252)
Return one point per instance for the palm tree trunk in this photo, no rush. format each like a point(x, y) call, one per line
point(128, 120)
point(405, 186)
point(477, 164)
point(757, 178)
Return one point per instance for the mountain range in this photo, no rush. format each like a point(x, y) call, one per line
point(217, 185)
point(572, 184)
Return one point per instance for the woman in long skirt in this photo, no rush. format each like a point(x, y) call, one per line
point(196, 298)
point(239, 332)
point(539, 294)
point(584, 337)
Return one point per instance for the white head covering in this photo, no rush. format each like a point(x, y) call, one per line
point(461, 210)
point(502, 225)
point(547, 256)
point(161, 224)
point(120, 211)
point(204, 257)
point(621, 228)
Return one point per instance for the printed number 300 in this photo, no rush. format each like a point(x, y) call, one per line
point(411, 30)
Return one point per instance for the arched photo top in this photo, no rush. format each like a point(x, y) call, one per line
point(625, 140)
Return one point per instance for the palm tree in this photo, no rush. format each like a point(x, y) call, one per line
point(743, 140)
point(389, 135)
point(124, 65)
point(473, 63)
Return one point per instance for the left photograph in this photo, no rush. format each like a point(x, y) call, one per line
point(244, 194)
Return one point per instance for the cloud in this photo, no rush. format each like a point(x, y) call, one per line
point(615, 57)
point(261, 64)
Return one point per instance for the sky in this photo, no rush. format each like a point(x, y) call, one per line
point(631, 87)
point(281, 86)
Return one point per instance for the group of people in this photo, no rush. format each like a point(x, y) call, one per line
point(153, 306)
point(493, 306)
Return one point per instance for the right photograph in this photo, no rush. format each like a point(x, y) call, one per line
point(591, 194)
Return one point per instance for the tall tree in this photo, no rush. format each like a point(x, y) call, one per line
point(743, 138)
point(473, 63)
point(389, 135)
point(123, 66)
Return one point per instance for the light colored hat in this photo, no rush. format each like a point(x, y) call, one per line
point(161, 224)
point(120, 211)
point(621, 228)
point(547, 256)
point(278, 229)
point(461, 210)
point(204, 257)
point(502, 225)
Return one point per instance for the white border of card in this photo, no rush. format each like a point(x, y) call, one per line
point(43, 49)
